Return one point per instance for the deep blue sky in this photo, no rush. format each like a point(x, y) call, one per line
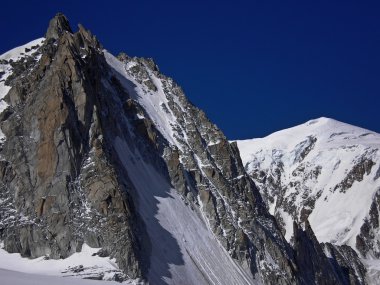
point(253, 67)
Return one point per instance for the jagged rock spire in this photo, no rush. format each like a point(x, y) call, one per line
point(57, 26)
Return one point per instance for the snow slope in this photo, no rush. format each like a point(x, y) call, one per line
point(9, 277)
point(323, 170)
point(15, 269)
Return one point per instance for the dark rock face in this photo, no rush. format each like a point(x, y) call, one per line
point(311, 259)
point(346, 263)
point(326, 263)
point(70, 125)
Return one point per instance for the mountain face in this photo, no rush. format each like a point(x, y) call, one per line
point(106, 152)
point(324, 172)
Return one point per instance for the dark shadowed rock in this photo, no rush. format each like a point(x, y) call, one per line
point(341, 267)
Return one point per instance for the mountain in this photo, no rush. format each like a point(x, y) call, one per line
point(103, 157)
point(323, 171)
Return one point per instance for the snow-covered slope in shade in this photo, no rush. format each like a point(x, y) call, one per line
point(183, 248)
point(177, 228)
point(15, 269)
point(324, 170)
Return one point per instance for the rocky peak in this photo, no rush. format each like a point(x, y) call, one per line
point(57, 26)
point(110, 153)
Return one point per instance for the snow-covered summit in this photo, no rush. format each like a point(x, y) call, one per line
point(323, 170)
point(328, 131)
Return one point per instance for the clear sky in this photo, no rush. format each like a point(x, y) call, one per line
point(254, 67)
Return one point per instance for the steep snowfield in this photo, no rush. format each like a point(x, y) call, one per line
point(183, 248)
point(325, 167)
point(173, 228)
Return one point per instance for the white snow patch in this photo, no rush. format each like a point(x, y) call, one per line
point(9, 277)
point(39, 270)
point(288, 221)
point(55, 267)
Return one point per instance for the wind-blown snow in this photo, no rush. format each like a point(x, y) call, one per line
point(337, 216)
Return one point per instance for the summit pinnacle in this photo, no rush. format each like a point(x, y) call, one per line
point(57, 26)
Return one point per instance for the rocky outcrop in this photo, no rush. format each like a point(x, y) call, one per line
point(361, 168)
